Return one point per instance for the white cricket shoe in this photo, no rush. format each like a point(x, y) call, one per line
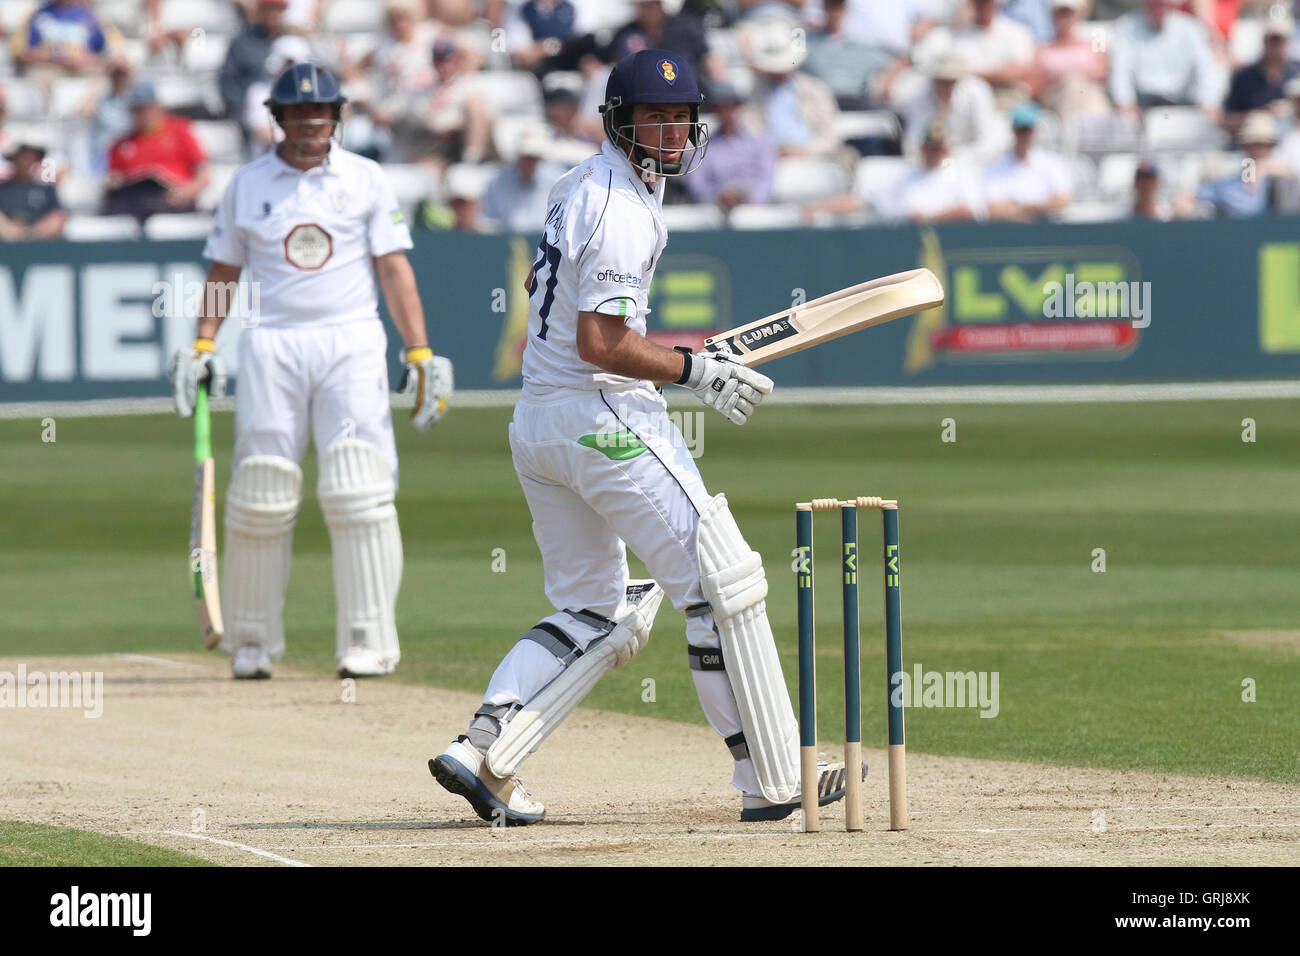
point(362, 661)
point(250, 662)
point(501, 801)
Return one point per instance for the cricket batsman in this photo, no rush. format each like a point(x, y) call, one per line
point(603, 468)
point(319, 230)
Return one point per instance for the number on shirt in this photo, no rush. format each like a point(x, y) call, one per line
point(548, 255)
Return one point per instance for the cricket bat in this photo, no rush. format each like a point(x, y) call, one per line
point(203, 526)
point(822, 320)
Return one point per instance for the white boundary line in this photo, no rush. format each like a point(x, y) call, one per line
point(235, 846)
point(902, 395)
point(160, 661)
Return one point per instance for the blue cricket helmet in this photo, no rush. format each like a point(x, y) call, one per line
point(653, 76)
point(304, 83)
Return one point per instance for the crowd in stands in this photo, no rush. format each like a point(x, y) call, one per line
point(119, 117)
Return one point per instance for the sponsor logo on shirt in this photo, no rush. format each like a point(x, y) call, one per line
point(623, 278)
point(308, 246)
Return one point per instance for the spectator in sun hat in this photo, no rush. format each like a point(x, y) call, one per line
point(29, 204)
point(1250, 191)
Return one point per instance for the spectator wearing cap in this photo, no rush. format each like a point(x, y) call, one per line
point(1259, 86)
point(64, 36)
point(261, 131)
point(796, 111)
point(1069, 74)
point(29, 205)
point(246, 56)
point(741, 163)
point(515, 198)
point(997, 49)
point(159, 166)
point(1028, 183)
point(1249, 192)
point(1147, 203)
point(1161, 57)
point(841, 62)
point(974, 130)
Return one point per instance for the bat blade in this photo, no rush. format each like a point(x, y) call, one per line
point(203, 529)
point(830, 317)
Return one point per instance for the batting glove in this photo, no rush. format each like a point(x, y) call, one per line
point(429, 378)
point(189, 367)
point(733, 390)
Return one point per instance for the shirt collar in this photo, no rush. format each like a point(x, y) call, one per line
point(618, 159)
point(284, 169)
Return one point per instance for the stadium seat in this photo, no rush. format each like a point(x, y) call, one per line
point(191, 15)
point(123, 14)
point(765, 217)
point(1115, 175)
point(24, 100)
point(1093, 211)
point(1083, 177)
point(877, 175)
point(221, 140)
point(411, 182)
point(351, 16)
point(210, 198)
point(467, 180)
point(799, 179)
point(867, 124)
point(81, 193)
point(205, 53)
point(606, 15)
point(694, 216)
point(186, 225)
point(69, 95)
point(101, 228)
point(1179, 128)
point(508, 91)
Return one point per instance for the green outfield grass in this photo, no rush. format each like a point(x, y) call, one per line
point(1138, 667)
point(34, 844)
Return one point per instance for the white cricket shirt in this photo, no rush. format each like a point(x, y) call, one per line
point(604, 232)
point(308, 238)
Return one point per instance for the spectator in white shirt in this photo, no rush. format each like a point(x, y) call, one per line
point(997, 49)
point(1028, 183)
point(975, 130)
point(935, 189)
point(515, 198)
point(1162, 57)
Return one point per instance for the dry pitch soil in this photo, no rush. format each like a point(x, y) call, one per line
point(285, 772)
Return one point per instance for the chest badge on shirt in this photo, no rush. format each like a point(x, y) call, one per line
point(308, 246)
point(339, 200)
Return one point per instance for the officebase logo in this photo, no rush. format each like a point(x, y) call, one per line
point(74, 690)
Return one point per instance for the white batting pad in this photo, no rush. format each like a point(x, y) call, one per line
point(261, 505)
point(731, 575)
point(541, 715)
point(356, 495)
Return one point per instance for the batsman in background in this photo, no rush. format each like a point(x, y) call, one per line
point(603, 468)
point(318, 228)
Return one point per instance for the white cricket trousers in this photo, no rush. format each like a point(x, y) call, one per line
point(589, 504)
